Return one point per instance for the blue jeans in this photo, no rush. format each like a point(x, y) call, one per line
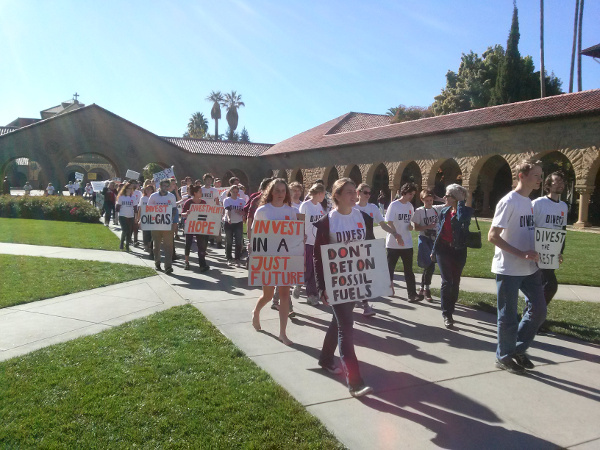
point(514, 338)
point(341, 334)
point(451, 262)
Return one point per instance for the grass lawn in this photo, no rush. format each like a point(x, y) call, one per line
point(59, 234)
point(582, 253)
point(29, 278)
point(168, 380)
point(577, 319)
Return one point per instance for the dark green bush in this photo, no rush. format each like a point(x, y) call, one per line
point(69, 209)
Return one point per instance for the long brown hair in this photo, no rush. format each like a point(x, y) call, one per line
point(124, 189)
point(337, 188)
point(267, 195)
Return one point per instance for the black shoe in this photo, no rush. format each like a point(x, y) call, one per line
point(524, 361)
point(510, 366)
point(204, 269)
point(157, 266)
point(448, 322)
point(121, 246)
point(127, 248)
point(169, 270)
point(360, 391)
point(414, 298)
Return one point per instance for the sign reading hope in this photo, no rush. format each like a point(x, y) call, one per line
point(549, 243)
point(204, 219)
point(277, 253)
point(355, 271)
point(157, 217)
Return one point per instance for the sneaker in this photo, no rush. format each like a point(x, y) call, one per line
point(169, 270)
point(510, 366)
point(296, 292)
point(291, 314)
point(275, 306)
point(121, 246)
point(524, 361)
point(187, 265)
point(360, 391)
point(313, 300)
point(230, 262)
point(448, 322)
point(332, 368)
point(421, 294)
point(238, 263)
point(428, 296)
point(368, 311)
point(414, 298)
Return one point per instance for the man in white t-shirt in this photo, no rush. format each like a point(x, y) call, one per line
point(514, 263)
point(550, 212)
point(399, 244)
point(160, 237)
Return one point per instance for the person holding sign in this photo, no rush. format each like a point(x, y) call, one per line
point(164, 238)
point(146, 234)
point(550, 212)
point(234, 225)
point(275, 205)
point(126, 208)
point(450, 247)
point(399, 244)
point(201, 239)
point(110, 196)
point(344, 223)
point(514, 263)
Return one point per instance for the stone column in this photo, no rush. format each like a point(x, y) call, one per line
point(584, 202)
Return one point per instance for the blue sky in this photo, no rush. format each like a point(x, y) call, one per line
point(296, 63)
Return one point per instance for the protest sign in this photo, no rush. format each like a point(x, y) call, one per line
point(277, 253)
point(132, 175)
point(355, 271)
point(99, 200)
point(156, 217)
point(97, 186)
point(549, 243)
point(78, 176)
point(167, 173)
point(204, 219)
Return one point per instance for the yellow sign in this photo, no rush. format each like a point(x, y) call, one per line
point(91, 176)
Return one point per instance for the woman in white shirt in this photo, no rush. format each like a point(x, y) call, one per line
point(126, 210)
point(275, 205)
point(234, 225)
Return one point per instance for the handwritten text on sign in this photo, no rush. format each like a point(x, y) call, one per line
point(355, 271)
point(167, 173)
point(157, 217)
point(277, 253)
point(204, 219)
point(549, 243)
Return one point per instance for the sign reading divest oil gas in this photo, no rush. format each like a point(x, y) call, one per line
point(204, 219)
point(355, 271)
point(276, 253)
point(156, 217)
point(549, 243)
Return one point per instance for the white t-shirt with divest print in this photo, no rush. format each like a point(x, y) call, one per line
point(126, 202)
point(346, 227)
point(312, 213)
point(233, 209)
point(210, 195)
point(550, 214)
point(424, 217)
point(400, 214)
point(270, 212)
point(514, 213)
point(372, 210)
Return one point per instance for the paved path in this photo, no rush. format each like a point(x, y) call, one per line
point(433, 387)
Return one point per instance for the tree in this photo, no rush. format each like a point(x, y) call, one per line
point(197, 126)
point(232, 102)
point(151, 169)
point(508, 82)
point(232, 135)
point(244, 136)
point(215, 112)
point(405, 113)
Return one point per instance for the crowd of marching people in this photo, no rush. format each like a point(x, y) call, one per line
point(345, 215)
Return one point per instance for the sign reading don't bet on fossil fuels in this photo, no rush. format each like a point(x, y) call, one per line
point(276, 253)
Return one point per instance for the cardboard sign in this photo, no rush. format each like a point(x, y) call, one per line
point(355, 271)
point(99, 200)
point(97, 186)
point(156, 217)
point(549, 243)
point(167, 173)
point(78, 176)
point(204, 219)
point(277, 253)
point(132, 175)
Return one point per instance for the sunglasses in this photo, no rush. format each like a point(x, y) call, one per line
point(366, 192)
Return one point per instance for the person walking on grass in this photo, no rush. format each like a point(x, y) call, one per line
point(514, 263)
point(275, 205)
point(163, 238)
point(400, 244)
point(126, 208)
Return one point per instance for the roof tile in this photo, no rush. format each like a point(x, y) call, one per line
point(213, 147)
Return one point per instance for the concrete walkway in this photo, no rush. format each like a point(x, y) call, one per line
point(433, 387)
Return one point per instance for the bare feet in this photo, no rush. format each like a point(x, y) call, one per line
point(256, 321)
point(285, 340)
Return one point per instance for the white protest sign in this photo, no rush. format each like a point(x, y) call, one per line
point(97, 186)
point(277, 253)
point(132, 175)
point(549, 243)
point(78, 176)
point(156, 217)
point(167, 173)
point(204, 219)
point(355, 271)
point(99, 200)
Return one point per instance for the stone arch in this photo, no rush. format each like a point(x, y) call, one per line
point(442, 173)
point(101, 174)
point(594, 211)
point(378, 178)
point(19, 170)
point(279, 173)
point(296, 175)
point(407, 171)
point(71, 169)
point(490, 179)
point(353, 172)
point(330, 176)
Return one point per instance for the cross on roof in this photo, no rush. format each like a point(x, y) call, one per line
point(75, 96)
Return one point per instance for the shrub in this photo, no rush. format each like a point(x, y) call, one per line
point(69, 209)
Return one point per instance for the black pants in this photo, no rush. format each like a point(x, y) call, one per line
point(233, 230)
point(126, 229)
point(407, 261)
point(451, 262)
point(108, 208)
point(201, 242)
point(550, 284)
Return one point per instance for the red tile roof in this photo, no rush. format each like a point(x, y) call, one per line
point(212, 147)
point(360, 121)
point(328, 135)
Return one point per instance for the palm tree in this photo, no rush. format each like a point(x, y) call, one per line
point(574, 46)
point(542, 71)
point(232, 102)
point(579, 25)
point(215, 112)
point(392, 112)
point(197, 126)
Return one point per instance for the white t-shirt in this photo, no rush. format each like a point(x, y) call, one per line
point(157, 199)
point(549, 214)
point(270, 212)
point(50, 190)
point(210, 195)
point(425, 217)
point(312, 213)
point(296, 205)
point(234, 209)
point(514, 213)
point(76, 186)
point(371, 210)
point(137, 195)
point(400, 214)
point(143, 201)
point(126, 202)
point(70, 188)
point(346, 228)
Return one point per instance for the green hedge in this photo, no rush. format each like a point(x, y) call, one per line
point(70, 209)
